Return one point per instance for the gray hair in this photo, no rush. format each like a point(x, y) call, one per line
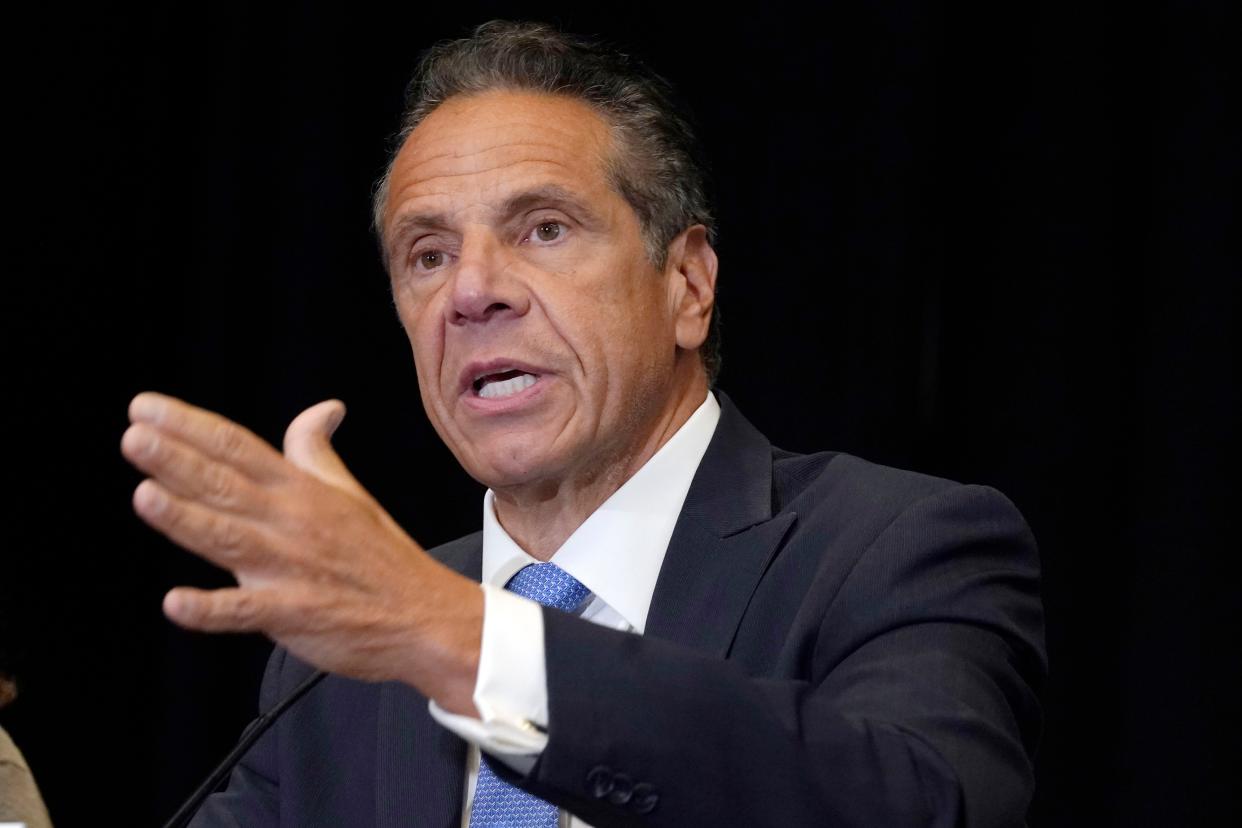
point(659, 167)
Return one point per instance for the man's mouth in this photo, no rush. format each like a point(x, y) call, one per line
point(502, 384)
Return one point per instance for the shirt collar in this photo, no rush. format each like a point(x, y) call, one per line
point(618, 550)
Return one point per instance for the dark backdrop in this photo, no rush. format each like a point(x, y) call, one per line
point(984, 241)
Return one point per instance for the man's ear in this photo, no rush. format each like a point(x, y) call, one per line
point(692, 285)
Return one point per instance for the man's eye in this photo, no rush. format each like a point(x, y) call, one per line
point(430, 259)
point(548, 231)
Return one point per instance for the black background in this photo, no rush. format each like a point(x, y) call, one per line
point(993, 242)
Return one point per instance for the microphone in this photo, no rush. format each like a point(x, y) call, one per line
point(249, 736)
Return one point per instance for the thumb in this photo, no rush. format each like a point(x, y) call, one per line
point(308, 445)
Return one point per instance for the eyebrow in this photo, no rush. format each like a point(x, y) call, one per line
point(552, 195)
point(411, 221)
point(546, 195)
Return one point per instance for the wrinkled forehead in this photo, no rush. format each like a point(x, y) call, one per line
point(487, 145)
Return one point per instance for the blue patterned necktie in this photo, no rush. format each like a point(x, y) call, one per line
point(497, 804)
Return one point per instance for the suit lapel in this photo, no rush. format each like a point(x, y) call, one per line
point(420, 766)
point(723, 542)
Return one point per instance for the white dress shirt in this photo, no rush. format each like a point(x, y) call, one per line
point(616, 553)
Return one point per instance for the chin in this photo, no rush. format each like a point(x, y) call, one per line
point(512, 466)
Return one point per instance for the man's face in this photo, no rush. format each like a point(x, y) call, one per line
point(543, 338)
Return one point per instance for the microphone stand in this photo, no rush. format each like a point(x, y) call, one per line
point(249, 736)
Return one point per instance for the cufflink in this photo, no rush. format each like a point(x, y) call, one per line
point(531, 727)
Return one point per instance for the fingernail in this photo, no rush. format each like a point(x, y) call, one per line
point(145, 406)
point(148, 499)
point(140, 440)
point(337, 417)
point(175, 605)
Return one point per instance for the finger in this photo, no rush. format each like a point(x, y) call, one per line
point(234, 609)
point(308, 445)
point(215, 436)
point(225, 540)
point(188, 473)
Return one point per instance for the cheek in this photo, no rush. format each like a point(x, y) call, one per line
point(642, 319)
point(418, 318)
point(630, 337)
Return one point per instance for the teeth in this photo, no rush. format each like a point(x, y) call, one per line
point(505, 388)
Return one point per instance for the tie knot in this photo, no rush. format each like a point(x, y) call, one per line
point(549, 585)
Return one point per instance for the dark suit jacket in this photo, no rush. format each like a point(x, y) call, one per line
point(830, 642)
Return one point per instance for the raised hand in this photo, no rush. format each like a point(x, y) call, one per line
point(321, 568)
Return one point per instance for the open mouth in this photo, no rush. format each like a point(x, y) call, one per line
point(502, 384)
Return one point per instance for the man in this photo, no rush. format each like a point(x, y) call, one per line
point(20, 801)
point(732, 634)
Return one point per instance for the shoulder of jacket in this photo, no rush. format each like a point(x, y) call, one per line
point(849, 479)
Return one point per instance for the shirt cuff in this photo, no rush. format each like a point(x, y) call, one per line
point(511, 690)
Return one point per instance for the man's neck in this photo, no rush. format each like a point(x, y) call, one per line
point(540, 517)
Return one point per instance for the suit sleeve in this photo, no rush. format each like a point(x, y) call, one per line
point(914, 702)
point(251, 798)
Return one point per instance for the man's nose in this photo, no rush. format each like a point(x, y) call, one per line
point(486, 286)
